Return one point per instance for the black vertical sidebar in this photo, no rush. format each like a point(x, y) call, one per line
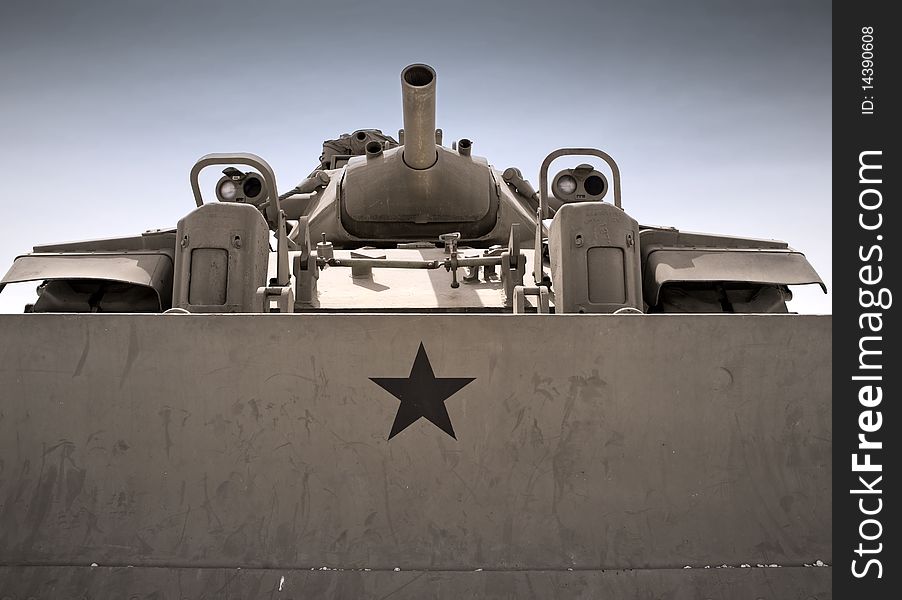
point(866, 367)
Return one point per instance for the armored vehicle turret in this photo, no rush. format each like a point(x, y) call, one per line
point(411, 224)
point(519, 405)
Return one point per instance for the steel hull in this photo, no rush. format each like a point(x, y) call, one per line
point(191, 455)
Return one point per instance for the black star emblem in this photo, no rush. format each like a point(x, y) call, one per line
point(422, 395)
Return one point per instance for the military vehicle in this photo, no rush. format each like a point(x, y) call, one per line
point(419, 375)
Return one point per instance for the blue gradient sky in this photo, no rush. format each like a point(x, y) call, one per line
point(719, 113)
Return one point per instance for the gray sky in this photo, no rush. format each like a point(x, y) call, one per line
point(718, 113)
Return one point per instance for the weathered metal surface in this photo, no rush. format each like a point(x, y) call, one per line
point(584, 442)
point(168, 583)
point(670, 265)
point(410, 289)
point(146, 268)
point(384, 194)
point(418, 94)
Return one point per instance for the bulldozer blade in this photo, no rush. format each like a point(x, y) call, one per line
point(355, 455)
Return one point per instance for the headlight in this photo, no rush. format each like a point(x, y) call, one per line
point(228, 190)
point(252, 187)
point(595, 185)
point(566, 185)
point(582, 183)
point(236, 186)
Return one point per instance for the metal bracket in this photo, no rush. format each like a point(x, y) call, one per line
point(305, 269)
point(543, 213)
point(488, 271)
point(272, 208)
point(274, 299)
point(513, 266)
point(520, 293)
point(450, 240)
point(361, 270)
point(451, 265)
point(471, 274)
point(538, 269)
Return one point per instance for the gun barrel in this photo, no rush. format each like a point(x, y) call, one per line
point(418, 96)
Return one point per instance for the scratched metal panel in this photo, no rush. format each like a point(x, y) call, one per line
point(285, 584)
point(585, 442)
